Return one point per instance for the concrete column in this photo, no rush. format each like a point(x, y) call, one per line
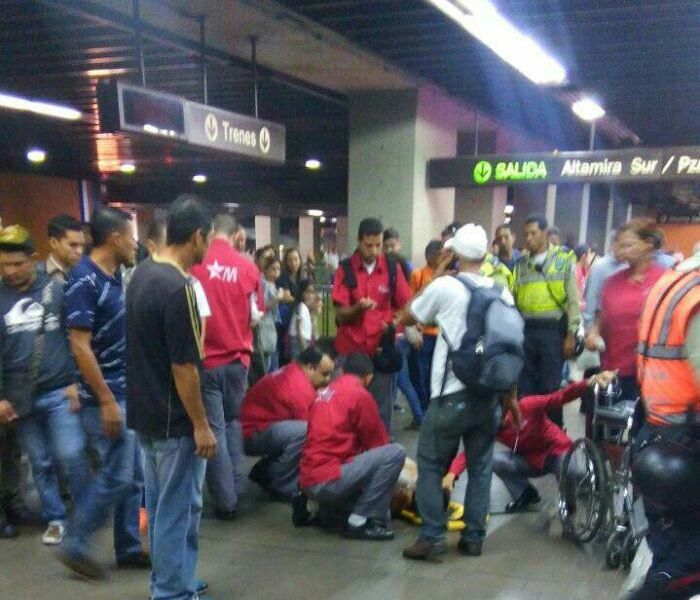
point(551, 206)
point(583, 223)
point(483, 206)
point(306, 236)
point(342, 239)
point(267, 230)
point(392, 136)
point(609, 218)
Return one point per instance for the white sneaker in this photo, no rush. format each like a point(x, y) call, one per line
point(54, 533)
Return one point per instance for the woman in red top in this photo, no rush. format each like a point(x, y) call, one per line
point(622, 301)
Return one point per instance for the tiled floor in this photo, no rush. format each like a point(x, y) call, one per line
point(261, 556)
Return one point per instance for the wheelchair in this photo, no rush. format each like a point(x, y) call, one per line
point(595, 487)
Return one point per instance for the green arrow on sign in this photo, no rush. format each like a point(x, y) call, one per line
point(482, 171)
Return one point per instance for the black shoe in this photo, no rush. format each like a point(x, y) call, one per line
point(425, 550)
point(225, 515)
point(528, 497)
point(258, 474)
point(370, 531)
point(17, 515)
point(138, 560)
point(7, 531)
point(83, 566)
point(301, 517)
point(470, 548)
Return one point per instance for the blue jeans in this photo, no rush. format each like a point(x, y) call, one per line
point(174, 480)
point(450, 419)
point(53, 434)
point(224, 388)
point(403, 380)
point(118, 485)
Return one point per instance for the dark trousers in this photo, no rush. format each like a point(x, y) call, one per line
point(420, 362)
point(674, 539)
point(544, 361)
point(10, 454)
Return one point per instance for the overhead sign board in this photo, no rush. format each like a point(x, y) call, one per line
point(231, 132)
point(134, 109)
point(618, 166)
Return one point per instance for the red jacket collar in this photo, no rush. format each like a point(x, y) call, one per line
point(356, 261)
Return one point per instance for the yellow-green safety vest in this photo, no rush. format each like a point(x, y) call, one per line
point(496, 270)
point(543, 294)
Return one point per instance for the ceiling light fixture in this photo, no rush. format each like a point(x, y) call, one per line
point(509, 209)
point(36, 155)
point(588, 109)
point(127, 168)
point(48, 109)
point(199, 178)
point(314, 212)
point(313, 164)
point(481, 19)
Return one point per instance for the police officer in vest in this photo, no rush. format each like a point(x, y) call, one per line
point(546, 295)
point(669, 377)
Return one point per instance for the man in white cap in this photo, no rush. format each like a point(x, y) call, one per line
point(454, 413)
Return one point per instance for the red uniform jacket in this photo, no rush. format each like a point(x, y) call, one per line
point(229, 280)
point(284, 395)
point(343, 422)
point(539, 437)
point(365, 332)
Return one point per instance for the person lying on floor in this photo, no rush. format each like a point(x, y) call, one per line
point(274, 415)
point(347, 464)
point(536, 450)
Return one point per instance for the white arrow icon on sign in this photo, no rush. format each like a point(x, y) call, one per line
point(265, 140)
point(211, 127)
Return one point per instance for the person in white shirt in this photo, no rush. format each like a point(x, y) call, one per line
point(301, 334)
point(455, 413)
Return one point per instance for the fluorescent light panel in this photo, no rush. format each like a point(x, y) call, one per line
point(481, 19)
point(46, 109)
point(314, 212)
point(313, 164)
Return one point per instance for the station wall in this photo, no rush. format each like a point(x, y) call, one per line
point(32, 200)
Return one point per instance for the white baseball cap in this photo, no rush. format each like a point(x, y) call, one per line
point(469, 242)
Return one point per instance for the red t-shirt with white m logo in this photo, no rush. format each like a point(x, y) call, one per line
point(229, 280)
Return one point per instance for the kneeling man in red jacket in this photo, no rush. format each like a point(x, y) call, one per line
point(274, 415)
point(347, 460)
point(535, 450)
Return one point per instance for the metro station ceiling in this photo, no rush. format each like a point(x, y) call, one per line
point(47, 52)
point(641, 57)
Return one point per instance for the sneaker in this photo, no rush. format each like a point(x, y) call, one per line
point(82, 566)
point(201, 587)
point(54, 533)
point(425, 550)
point(470, 547)
point(527, 498)
point(300, 513)
point(138, 560)
point(370, 531)
point(7, 531)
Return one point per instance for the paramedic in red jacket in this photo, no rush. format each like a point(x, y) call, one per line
point(537, 449)
point(274, 415)
point(347, 459)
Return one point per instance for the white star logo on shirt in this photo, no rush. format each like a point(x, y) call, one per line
point(215, 270)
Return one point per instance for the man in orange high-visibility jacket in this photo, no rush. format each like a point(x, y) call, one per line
point(669, 378)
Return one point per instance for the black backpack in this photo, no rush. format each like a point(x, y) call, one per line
point(490, 356)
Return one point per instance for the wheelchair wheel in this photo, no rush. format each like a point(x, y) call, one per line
point(583, 491)
point(614, 549)
point(629, 549)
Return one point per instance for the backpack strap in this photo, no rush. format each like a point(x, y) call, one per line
point(348, 274)
point(391, 266)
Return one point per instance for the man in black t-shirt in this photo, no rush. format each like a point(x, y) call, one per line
point(164, 398)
